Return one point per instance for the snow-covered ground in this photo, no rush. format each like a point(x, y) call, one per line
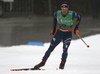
point(81, 60)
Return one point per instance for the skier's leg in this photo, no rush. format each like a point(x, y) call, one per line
point(64, 55)
point(55, 41)
point(66, 43)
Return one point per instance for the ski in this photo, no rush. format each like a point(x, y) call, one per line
point(25, 69)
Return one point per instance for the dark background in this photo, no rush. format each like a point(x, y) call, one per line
point(22, 21)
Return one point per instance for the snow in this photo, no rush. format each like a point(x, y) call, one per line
point(81, 60)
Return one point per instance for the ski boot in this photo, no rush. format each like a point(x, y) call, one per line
point(62, 64)
point(36, 67)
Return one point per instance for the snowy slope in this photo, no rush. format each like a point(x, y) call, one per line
point(81, 60)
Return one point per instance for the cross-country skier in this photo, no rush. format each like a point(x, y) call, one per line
point(64, 19)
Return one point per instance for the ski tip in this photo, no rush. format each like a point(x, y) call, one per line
point(56, 68)
point(11, 69)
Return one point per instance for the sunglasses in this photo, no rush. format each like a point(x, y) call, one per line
point(64, 8)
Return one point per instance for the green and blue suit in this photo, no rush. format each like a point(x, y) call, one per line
point(64, 22)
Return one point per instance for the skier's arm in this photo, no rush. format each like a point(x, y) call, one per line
point(76, 15)
point(54, 24)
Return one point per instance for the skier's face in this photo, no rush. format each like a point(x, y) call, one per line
point(64, 10)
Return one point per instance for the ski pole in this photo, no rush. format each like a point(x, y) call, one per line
point(83, 41)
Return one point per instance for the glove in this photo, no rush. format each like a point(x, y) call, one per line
point(76, 31)
point(52, 31)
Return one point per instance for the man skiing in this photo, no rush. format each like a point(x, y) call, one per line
point(64, 19)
